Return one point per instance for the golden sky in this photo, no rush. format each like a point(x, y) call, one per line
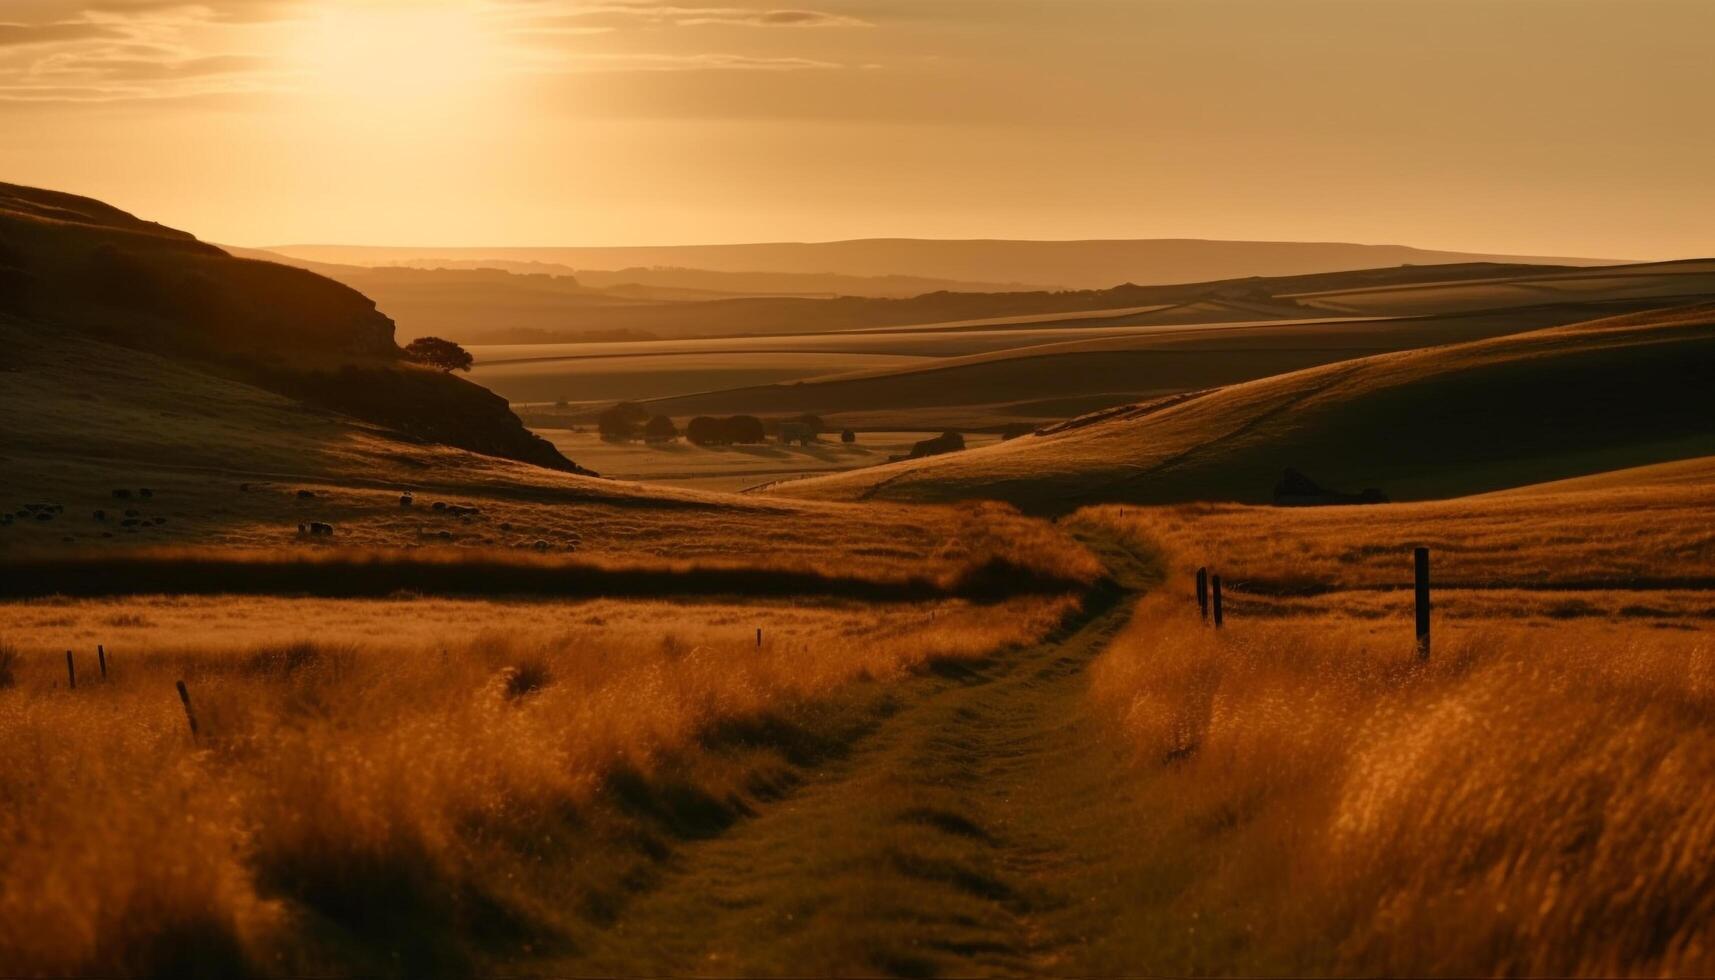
point(1569, 127)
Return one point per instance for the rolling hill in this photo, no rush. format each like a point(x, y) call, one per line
point(71, 268)
point(162, 395)
point(984, 374)
point(1526, 408)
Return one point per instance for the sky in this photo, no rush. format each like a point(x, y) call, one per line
point(1546, 127)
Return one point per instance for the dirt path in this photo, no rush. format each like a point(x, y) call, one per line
point(959, 837)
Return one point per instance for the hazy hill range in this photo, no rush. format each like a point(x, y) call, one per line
point(1066, 264)
point(1544, 405)
point(490, 306)
point(672, 281)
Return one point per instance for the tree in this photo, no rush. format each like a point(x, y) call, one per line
point(814, 422)
point(848, 436)
point(660, 429)
point(745, 428)
point(706, 431)
point(623, 422)
point(438, 353)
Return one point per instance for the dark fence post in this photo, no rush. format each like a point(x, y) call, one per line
point(1215, 587)
point(1421, 562)
point(190, 716)
point(101, 657)
point(759, 636)
point(1203, 592)
point(71, 671)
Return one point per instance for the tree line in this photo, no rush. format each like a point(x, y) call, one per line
point(631, 422)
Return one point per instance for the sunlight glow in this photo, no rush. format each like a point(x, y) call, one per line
point(400, 59)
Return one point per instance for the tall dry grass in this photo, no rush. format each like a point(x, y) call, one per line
point(1532, 800)
point(407, 809)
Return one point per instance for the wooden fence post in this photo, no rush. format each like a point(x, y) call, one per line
point(71, 671)
point(1215, 586)
point(759, 636)
point(101, 657)
point(1421, 562)
point(190, 716)
point(1203, 592)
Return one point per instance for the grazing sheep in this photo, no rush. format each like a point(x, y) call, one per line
point(44, 515)
point(101, 515)
point(145, 493)
point(440, 505)
point(122, 495)
point(244, 488)
point(306, 494)
point(445, 535)
point(131, 522)
point(159, 520)
point(317, 527)
point(540, 545)
point(406, 500)
point(302, 529)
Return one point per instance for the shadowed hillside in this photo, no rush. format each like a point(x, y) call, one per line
point(73, 266)
point(1544, 405)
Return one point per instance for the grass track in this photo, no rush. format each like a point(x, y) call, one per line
point(959, 835)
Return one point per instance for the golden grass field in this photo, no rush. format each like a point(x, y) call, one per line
point(413, 774)
point(1529, 801)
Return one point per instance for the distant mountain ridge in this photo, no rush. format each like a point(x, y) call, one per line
point(1088, 264)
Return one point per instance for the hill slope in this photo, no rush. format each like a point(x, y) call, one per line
point(75, 267)
point(1526, 408)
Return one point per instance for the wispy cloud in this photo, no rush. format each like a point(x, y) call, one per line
point(20, 35)
point(90, 51)
point(116, 50)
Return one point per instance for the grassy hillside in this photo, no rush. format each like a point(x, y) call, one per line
point(1042, 382)
point(72, 268)
point(1443, 421)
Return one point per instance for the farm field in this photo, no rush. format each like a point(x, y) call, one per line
point(735, 468)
